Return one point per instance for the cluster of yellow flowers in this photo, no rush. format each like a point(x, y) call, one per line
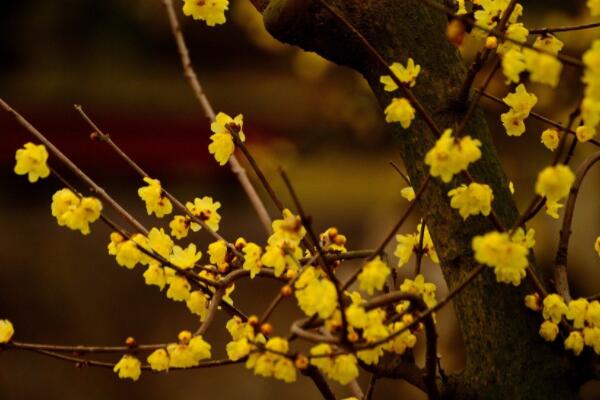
point(210, 11)
point(408, 244)
point(472, 200)
point(75, 212)
point(590, 107)
point(505, 253)
point(400, 109)
point(584, 315)
point(451, 155)
point(32, 161)
point(70, 210)
point(342, 368)
point(283, 249)
point(489, 13)
point(205, 209)
point(222, 144)
point(153, 196)
point(315, 293)
point(520, 102)
point(554, 183)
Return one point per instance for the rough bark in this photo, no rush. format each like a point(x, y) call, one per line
point(506, 358)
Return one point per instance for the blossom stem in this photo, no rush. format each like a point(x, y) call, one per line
point(543, 31)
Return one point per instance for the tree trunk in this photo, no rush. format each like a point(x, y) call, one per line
point(506, 357)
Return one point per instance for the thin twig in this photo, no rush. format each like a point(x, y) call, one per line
point(194, 82)
point(544, 31)
point(104, 137)
point(560, 264)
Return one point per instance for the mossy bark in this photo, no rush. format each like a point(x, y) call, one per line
point(506, 358)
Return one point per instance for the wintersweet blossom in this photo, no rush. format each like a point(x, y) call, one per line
point(554, 308)
point(407, 75)
point(222, 145)
point(373, 275)
point(550, 139)
point(128, 367)
point(6, 331)
point(400, 110)
point(210, 11)
point(548, 330)
point(32, 161)
point(159, 360)
point(156, 202)
point(449, 156)
point(206, 210)
point(554, 182)
point(472, 200)
point(497, 250)
point(74, 212)
point(574, 342)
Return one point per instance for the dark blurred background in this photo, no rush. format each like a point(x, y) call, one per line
point(318, 120)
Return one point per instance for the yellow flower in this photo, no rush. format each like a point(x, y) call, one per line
point(526, 239)
point(497, 250)
point(419, 287)
point(153, 197)
point(159, 360)
point(513, 64)
point(128, 254)
point(222, 145)
point(315, 294)
point(513, 123)
point(73, 212)
point(449, 156)
point(128, 367)
point(272, 363)
point(405, 247)
point(210, 11)
point(585, 133)
point(238, 349)
point(406, 340)
point(543, 68)
point(597, 245)
point(521, 101)
point(6, 331)
point(554, 182)
point(407, 75)
point(179, 289)
point(549, 43)
point(344, 369)
point(32, 160)
point(548, 330)
point(289, 229)
point(592, 315)
point(594, 6)
point(200, 348)
point(206, 210)
point(281, 257)
point(408, 193)
point(217, 252)
point(185, 258)
point(532, 301)
point(591, 337)
point(160, 242)
point(323, 363)
point(516, 32)
point(472, 200)
point(180, 226)
point(197, 303)
point(400, 110)
point(550, 139)
point(373, 275)
point(252, 255)
point(574, 342)
point(155, 275)
point(552, 208)
point(332, 240)
point(357, 316)
point(577, 311)
point(554, 308)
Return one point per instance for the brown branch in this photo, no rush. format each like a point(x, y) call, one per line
point(399, 171)
point(194, 83)
point(560, 263)
point(371, 387)
point(103, 137)
point(74, 168)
